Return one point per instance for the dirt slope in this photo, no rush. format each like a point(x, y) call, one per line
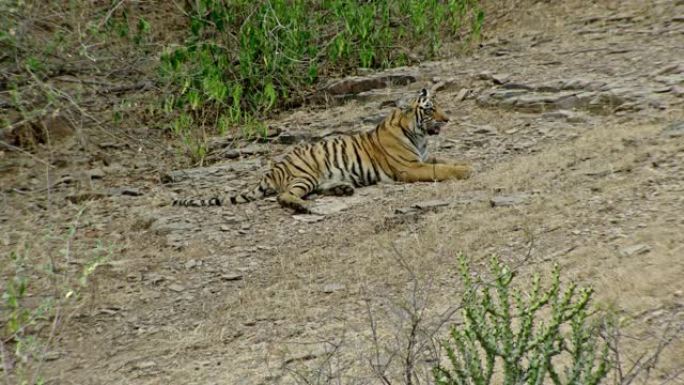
point(572, 117)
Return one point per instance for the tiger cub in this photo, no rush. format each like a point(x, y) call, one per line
point(396, 150)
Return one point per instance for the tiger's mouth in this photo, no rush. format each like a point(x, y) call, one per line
point(434, 128)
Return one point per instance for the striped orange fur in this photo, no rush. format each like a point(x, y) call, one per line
point(395, 150)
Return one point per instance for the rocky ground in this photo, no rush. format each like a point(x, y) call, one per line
point(573, 118)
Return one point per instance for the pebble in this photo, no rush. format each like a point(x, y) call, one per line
point(333, 287)
point(674, 130)
point(96, 173)
point(176, 287)
point(635, 250)
point(231, 276)
point(310, 218)
point(462, 94)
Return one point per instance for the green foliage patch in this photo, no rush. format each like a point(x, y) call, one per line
point(243, 59)
point(534, 336)
point(39, 292)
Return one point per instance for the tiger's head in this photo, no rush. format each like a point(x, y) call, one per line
point(429, 118)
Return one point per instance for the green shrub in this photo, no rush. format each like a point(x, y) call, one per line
point(29, 329)
point(243, 59)
point(531, 336)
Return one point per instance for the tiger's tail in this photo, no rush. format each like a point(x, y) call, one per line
point(198, 202)
point(264, 188)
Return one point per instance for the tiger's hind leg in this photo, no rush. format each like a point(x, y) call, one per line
point(340, 189)
point(292, 196)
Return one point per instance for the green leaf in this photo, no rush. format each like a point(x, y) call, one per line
point(271, 95)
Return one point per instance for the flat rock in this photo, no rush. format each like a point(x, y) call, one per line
point(328, 207)
point(677, 91)
point(310, 218)
point(176, 287)
point(500, 78)
point(145, 365)
point(219, 170)
point(508, 200)
point(128, 191)
point(485, 75)
point(381, 95)
point(294, 137)
point(446, 84)
point(673, 68)
point(233, 153)
point(568, 116)
point(609, 99)
point(231, 277)
point(431, 205)
point(535, 103)
point(548, 87)
point(507, 93)
point(523, 100)
point(96, 173)
point(674, 130)
point(163, 226)
point(333, 287)
point(522, 86)
point(635, 250)
point(582, 84)
point(462, 94)
point(670, 80)
point(569, 102)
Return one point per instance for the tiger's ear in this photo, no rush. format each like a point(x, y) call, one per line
point(424, 93)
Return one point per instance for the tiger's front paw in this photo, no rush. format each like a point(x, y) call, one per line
point(463, 171)
point(295, 203)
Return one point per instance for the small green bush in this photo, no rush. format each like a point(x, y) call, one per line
point(28, 329)
point(532, 336)
point(242, 59)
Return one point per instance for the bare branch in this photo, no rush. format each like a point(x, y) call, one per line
point(110, 13)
